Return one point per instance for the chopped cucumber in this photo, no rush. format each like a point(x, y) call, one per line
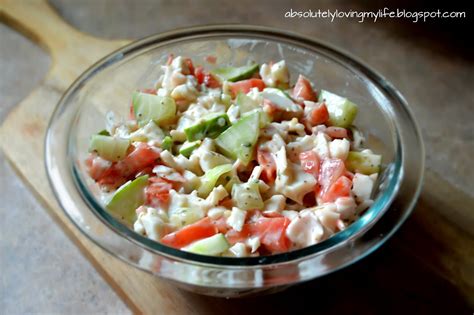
point(234, 74)
point(280, 99)
point(167, 143)
point(103, 133)
point(110, 148)
point(211, 126)
point(161, 109)
point(210, 178)
point(342, 112)
point(188, 147)
point(214, 245)
point(185, 216)
point(128, 198)
point(365, 163)
point(239, 140)
point(246, 103)
point(247, 196)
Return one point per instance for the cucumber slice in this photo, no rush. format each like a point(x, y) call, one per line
point(128, 198)
point(234, 74)
point(214, 245)
point(185, 216)
point(280, 99)
point(210, 178)
point(365, 163)
point(167, 143)
point(247, 196)
point(110, 148)
point(188, 147)
point(239, 140)
point(246, 103)
point(211, 126)
point(161, 109)
point(342, 112)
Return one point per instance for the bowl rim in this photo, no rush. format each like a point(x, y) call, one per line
point(355, 230)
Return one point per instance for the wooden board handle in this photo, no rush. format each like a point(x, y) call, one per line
point(40, 22)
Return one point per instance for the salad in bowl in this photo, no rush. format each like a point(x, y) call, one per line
point(234, 161)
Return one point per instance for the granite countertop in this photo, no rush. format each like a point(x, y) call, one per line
point(43, 272)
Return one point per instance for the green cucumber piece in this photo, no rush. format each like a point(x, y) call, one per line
point(160, 109)
point(210, 126)
point(246, 103)
point(365, 163)
point(110, 148)
point(167, 143)
point(342, 112)
point(234, 74)
point(239, 140)
point(280, 99)
point(103, 133)
point(247, 196)
point(214, 245)
point(188, 147)
point(210, 178)
point(128, 198)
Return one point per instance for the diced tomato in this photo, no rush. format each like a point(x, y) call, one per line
point(226, 202)
point(141, 157)
point(349, 175)
point(199, 74)
point(149, 91)
point(131, 113)
point(330, 171)
point(210, 81)
point(103, 172)
point(246, 85)
point(157, 192)
point(266, 161)
point(270, 108)
point(188, 62)
point(340, 188)
point(221, 224)
point(336, 132)
point(318, 115)
point(310, 163)
point(253, 216)
point(303, 90)
point(272, 233)
point(190, 233)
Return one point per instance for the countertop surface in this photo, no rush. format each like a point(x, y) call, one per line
point(43, 272)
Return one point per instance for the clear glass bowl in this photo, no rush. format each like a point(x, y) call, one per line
point(383, 115)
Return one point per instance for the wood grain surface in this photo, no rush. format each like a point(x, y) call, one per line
point(427, 267)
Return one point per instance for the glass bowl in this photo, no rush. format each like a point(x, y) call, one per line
point(383, 115)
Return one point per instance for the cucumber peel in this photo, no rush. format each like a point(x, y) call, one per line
point(247, 196)
point(160, 109)
point(365, 163)
point(210, 178)
point(128, 198)
point(211, 127)
point(167, 143)
point(234, 74)
point(214, 245)
point(110, 148)
point(239, 140)
point(342, 112)
point(188, 147)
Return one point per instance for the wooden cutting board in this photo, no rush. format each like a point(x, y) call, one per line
point(438, 239)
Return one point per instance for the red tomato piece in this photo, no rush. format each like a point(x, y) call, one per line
point(199, 74)
point(157, 192)
point(272, 233)
point(340, 188)
point(318, 115)
point(246, 85)
point(310, 163)
point(188, 62)
point(303, 90)
point(211, 59)
point(190, 233)
point(221, 224)
point(337, 132)
point(141, 157)
point(330, 171)
point(266, 161)
point(234, 236)
point(226, 202)
point(210, 81)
